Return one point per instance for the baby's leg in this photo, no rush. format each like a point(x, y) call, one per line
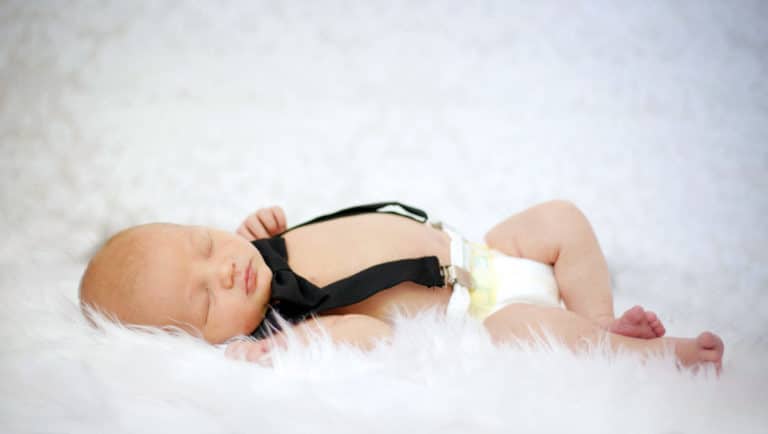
point(557, 233)
point(522, 320)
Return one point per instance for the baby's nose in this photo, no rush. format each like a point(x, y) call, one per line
point(227, 275)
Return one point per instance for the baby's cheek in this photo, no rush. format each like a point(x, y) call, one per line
point(239, 322)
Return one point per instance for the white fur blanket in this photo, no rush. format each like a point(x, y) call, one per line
point(649, 115)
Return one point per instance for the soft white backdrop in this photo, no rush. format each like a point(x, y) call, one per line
point(651, 116)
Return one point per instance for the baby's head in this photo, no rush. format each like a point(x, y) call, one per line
point(199, 279)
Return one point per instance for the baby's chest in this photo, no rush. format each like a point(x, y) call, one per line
point(326, 252)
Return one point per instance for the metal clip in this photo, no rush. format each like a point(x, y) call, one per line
point(449, 274)
point(454, 274)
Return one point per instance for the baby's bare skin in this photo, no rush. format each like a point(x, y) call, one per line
point(329, 251)
point(554, 233)
point(351, 244)
point(326, 252)
point(638, 323)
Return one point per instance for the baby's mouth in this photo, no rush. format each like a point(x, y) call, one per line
point(248, 277)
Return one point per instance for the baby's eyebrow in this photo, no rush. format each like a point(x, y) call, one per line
point(195, 232)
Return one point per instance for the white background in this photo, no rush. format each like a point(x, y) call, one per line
point(651, 116)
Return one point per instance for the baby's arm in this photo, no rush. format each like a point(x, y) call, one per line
point(264, 223)
point(362, 331)
point(359, 330)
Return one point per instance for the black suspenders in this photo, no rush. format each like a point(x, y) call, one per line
point(396, 208)
point(295, 298)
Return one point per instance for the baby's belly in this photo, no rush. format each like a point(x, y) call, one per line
point(404, 299)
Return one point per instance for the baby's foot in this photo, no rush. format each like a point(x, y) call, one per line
point(638, 323)
point(706, 348)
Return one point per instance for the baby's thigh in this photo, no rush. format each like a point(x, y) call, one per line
point(523, 321)
point(538, 232)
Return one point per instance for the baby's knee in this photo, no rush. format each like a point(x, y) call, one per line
point(563, 209)
point(564, 216)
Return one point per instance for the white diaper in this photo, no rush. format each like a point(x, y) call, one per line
point(497, 280)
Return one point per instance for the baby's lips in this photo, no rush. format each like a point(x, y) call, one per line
point(249, 275)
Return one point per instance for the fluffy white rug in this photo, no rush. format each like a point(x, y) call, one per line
point(649, 115)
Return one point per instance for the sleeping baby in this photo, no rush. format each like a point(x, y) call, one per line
point(347, 272)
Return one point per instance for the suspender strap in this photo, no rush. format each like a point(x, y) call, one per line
point(295, 298)
point(396, 208)
point(353, 289)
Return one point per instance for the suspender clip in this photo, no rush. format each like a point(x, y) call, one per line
point(454, 274)
point(449, 274)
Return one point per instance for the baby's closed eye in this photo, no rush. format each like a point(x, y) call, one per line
point(208, 306)
point(210, 244)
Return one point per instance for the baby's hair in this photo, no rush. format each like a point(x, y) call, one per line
point(114, 271)
point(103, 320)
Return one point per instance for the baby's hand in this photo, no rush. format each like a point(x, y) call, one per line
point(263, 223)
point(252, 351)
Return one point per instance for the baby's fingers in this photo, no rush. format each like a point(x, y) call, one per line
point(267, 220)
point(252, 229)
point(243, 232)
point(253, 351)
point(270, 218)
point(280, 217)
point(255, 227)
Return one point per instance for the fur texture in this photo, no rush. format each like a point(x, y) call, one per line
point(649, 115)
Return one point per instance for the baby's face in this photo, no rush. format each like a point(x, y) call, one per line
point(199, 279)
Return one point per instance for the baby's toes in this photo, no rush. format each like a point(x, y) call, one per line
point(710, 341)
point(635, 315)
point(711, 348)
point(651, 316)
point(658, 328)
point(655, 324)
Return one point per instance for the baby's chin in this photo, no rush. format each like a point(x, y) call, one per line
point(221, 339)
point(263, 285)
